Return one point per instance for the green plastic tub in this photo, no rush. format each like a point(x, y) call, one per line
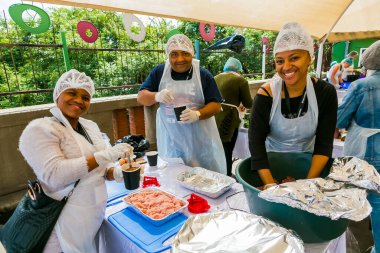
point(310, 227)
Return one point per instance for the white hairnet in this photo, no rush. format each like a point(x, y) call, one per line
point(73, 79)
point(371, 56)
point(179, 42)
point(293, 37)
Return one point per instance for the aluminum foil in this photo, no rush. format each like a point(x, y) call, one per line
point(235, 232)
point(355, 171)
point(204, 181)
point(321, 197)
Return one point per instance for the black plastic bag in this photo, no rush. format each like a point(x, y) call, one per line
point(138, 142)
point(235, 42)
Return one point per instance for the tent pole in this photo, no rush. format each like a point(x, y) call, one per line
point(319, 61)
point(263, 62)
point(197, 50)
point(65, 52)
point(318, 72)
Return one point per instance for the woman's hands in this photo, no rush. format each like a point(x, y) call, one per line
point(318, 163)
point(111, 154)
point(266, 176)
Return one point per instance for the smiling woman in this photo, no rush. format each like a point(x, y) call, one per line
point(293, 112)
point(66, 148)
point(73, 104)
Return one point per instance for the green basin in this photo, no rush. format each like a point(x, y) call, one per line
point(310, 227)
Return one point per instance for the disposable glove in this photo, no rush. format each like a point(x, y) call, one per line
point(111, 154)
point(165, 96)
point(190, 116)
point(118, 174)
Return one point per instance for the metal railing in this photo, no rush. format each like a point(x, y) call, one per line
point(31, 64)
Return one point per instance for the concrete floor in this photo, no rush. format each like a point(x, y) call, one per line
point(358, 235)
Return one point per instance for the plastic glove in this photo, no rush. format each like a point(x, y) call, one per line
point(269, 185)
point(111, 154)
point(118, 174)
point(165, 96)
point(190, 116)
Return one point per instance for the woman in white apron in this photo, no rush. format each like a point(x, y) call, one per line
point(64, 149)
point(359, 114)
point(338, 73)
point(194, 137)
point(286, 115)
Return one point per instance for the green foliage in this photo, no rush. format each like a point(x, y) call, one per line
point(250, 57)
point(34, 62)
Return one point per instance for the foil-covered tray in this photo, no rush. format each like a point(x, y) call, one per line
point(156, 202)
point(206, 182)
point(234, 232)
point(321, 197)
point(355, 171)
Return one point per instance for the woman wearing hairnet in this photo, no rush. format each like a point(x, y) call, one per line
point(292, 112)
point(182, 82)
point(65, 148)
point(235, 91)
point(339, 72)
point(359, 112)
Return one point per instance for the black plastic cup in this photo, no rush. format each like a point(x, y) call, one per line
point(178, 110)
point(152, 157)
point(131, 177)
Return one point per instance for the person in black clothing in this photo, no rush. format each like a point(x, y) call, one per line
point(293, 112)
point(235, 91)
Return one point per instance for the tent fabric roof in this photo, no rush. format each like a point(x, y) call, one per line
point(360, 21)
point(318, 17)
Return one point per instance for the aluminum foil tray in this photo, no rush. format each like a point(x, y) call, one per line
point(159, 221)
point(234, 232)
point(206, 182)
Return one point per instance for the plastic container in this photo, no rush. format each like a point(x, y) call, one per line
point(148, 237)
point(197, 204)
point(310, 227)
point(209, 183)
point(345, 85)
point(156, 222)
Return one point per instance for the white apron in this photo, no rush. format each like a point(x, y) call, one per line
point(198, 143)
point(83, 213)
point(292, 135)
point(355, 143)
point(335, 77)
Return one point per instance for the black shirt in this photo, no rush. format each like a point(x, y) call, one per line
point(327, 115)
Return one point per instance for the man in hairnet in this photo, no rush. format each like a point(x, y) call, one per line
point(359, 112)
point(182, 82)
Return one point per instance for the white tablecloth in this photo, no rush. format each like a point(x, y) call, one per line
point(113, 241)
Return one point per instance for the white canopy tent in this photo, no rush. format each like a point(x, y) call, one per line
point(335, 20)
point(360, 21)
point(318, 17)
point(345, 20)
